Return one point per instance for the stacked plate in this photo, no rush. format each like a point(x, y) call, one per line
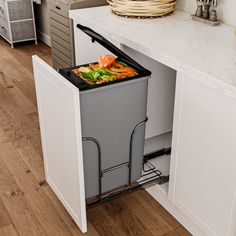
point(142, 8)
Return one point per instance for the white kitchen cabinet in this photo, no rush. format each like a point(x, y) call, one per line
point(201, 193)
point(59, 116)
point(202, 176)
point(202, 189)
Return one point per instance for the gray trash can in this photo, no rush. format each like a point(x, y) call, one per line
point(113, 118)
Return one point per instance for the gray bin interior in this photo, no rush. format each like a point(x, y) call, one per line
point(109, 114)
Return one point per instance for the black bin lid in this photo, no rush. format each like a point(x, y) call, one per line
point(82, 84)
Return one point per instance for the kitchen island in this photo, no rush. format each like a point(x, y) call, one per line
point(192, 93)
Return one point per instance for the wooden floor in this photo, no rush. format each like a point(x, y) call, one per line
point(28, 207)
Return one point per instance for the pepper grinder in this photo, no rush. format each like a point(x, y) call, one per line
point(213, 14)
point(199, 10)
point(206, 11)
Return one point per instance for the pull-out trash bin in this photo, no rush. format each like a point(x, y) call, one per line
point(113, 116)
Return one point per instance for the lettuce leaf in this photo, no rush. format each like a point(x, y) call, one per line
point(92, 75)
point(98, 74)
point(107, 77)
point(103, 71)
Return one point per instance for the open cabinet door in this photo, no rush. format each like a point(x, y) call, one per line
point(60, 125)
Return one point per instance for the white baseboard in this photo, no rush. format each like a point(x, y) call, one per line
point(44, 38)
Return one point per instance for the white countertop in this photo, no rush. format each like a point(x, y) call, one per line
point(176, 41)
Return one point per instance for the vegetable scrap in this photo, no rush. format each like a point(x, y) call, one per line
point(107, 69)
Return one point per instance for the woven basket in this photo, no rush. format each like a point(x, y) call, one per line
point(142, 8)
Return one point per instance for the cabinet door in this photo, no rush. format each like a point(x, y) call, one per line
point(60, 125)
point(203, 175)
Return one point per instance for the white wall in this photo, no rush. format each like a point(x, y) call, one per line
point(42, 21)
point(227, 9)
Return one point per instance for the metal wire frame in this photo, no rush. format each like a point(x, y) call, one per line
point(151, 173)
point(99, 162)
point(131, 148)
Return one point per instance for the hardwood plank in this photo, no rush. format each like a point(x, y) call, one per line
point(22, 56)
point(34, 162)
point(16, 64)
point(12, 68)
point(4, 81)
point(125, 218)
point(91, 230)
point(61, 211)
point(66, 217)
point(156, 208)
point(5, 218)
point(7, 182)
point(28, 88)
point(183, 232)
point(172, 233)
point(21, 214)
point(12, 97)
point(39, 203)
point(12, 130)
point(3, 137)
point(20, 100)
point(16, 204)
point(171, 220)
point(25, 197)
point(143, 197)
point(20, 127)
point(15, 94)
point(153, 222)
point(104, 225)
point(8, 231)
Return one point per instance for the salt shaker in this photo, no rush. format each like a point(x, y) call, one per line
point(213, 14)
point(206, 12)
point(199, 10)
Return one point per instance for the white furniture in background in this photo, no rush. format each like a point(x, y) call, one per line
point(201, 193)
point(17, 22)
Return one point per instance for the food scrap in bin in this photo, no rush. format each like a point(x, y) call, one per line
point(107, 69)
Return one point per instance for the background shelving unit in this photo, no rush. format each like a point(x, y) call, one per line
point(17, 23)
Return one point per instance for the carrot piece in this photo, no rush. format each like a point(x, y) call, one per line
point(106, 61)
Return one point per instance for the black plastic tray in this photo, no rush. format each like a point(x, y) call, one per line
point(121, 56)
